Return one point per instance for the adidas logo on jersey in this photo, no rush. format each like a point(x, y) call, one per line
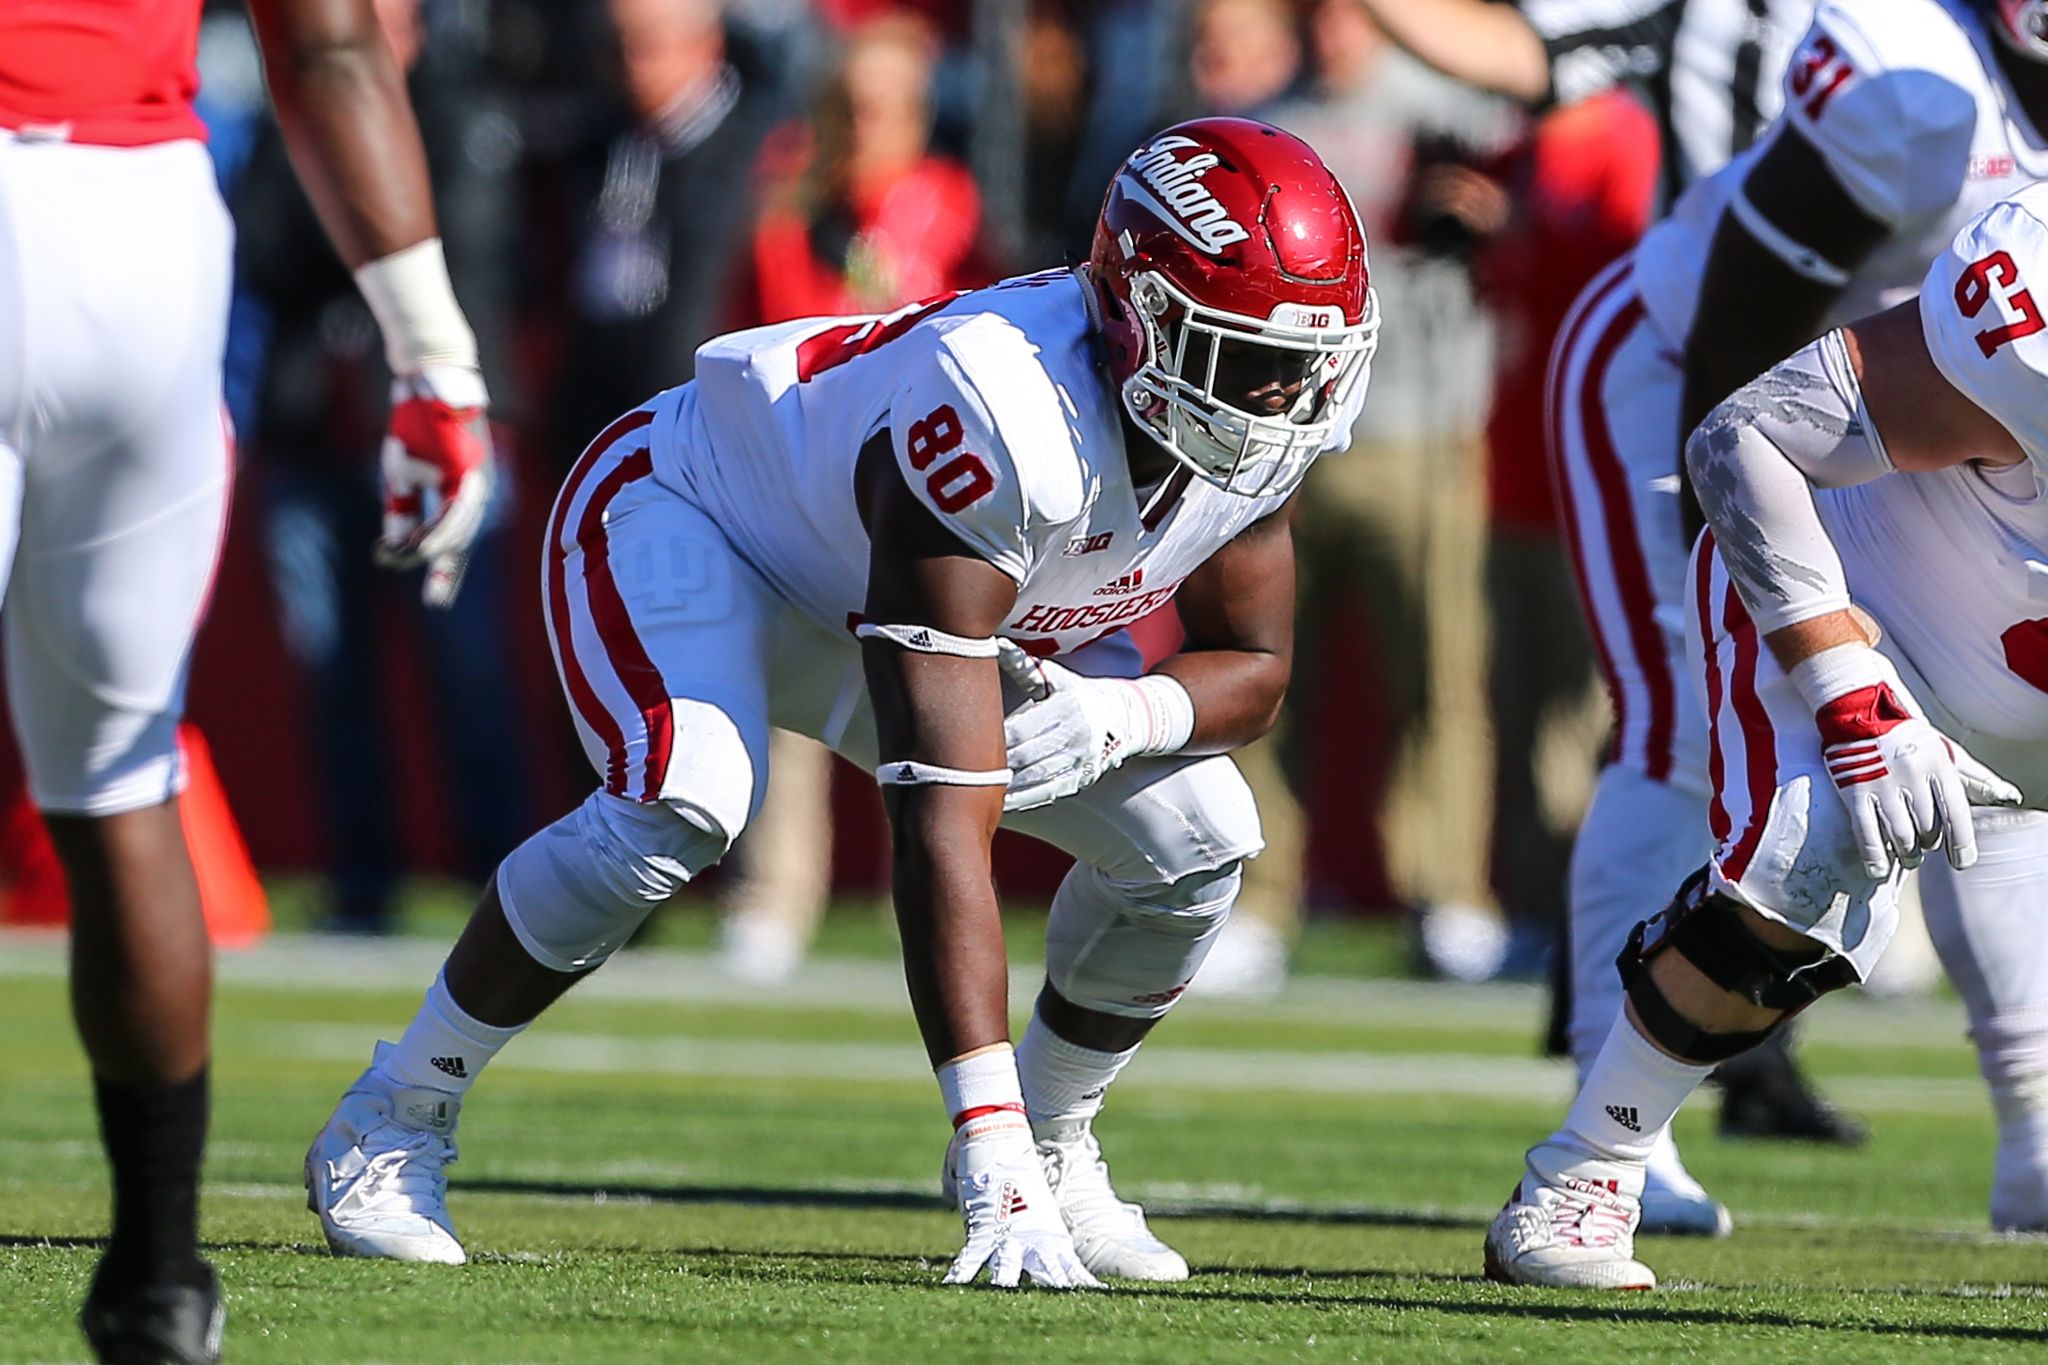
point(1174, 190)
point(450, 1066)
point(1626, 1117)
point(1128, 583)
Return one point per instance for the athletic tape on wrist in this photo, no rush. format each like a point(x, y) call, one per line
point(1802, 260)
point(1838, 670)
point(905, 773)
point(926, 640)
point(1169, 713)
point(409, 293)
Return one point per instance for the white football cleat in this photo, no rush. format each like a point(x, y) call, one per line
point(1570, 1224)
point(1675, 1204)
point(1110, 1235)
point(377, 1174)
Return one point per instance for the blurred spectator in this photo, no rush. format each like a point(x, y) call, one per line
point(1390, 533)
point(658, 216)
point(859, 217)
point(1055, 86)
point(1583, 188)
point(1132, 62)
point(319, 415)
point(1246, 56)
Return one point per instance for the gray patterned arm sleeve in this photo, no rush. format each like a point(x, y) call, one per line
point(1754, 464)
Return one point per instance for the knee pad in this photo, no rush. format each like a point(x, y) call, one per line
point(2012, 1051)
point(1131, 948)
point(1707, 930)
point(576, 891)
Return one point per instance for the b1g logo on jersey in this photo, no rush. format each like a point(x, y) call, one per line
point(1174, 190)
point(1996, 279)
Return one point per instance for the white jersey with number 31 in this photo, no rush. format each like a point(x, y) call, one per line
point(1904, 102)
point(1004, 424)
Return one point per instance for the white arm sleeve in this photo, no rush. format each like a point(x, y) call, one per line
point(1754, 464)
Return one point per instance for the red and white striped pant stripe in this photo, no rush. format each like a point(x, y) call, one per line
point(614, 688)
point(1613, 443)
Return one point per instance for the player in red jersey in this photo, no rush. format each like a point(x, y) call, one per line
point(114, 476)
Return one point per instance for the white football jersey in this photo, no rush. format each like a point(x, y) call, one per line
point(1004, 422)
point(1904, 102)
point(1954, 564)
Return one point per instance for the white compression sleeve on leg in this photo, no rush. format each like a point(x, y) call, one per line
point(2012, 1052)
point(1754, 464)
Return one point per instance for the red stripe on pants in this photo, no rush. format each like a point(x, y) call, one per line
point(1718, 822)
point(622, 645)
point(1759, 741)
point(1625, 546)
point(1561, 490)
point(581, 695)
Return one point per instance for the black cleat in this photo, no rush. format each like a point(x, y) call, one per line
point(1764, 1094)
point(164, 1323)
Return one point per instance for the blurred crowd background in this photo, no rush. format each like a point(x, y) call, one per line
point(620, 179)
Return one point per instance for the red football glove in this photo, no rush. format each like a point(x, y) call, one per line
point(1908, 787)
point(437, 476)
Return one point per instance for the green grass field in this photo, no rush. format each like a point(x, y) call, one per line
point(672, 1167)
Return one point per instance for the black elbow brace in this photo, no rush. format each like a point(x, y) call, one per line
point(1707, 931)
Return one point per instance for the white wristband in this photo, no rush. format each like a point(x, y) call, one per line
point(1841, 669)
point(1162, 714)
point(985, 1080)
point(415, 307)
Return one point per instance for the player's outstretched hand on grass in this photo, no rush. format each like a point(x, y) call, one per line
point(1014, 1228)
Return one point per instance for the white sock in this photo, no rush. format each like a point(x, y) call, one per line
point(443, 1047)
point(1063, 1082)
point(1629, 1097)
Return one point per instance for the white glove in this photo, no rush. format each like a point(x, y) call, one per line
point(437, 476)
point(1907, 787)
point(1013, 1224)
point(1073, 729)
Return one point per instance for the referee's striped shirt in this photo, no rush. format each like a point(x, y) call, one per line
point(1710, 69)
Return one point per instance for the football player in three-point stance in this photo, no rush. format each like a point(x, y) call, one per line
point(1868, 599)
point(115, 469)
point(919, 538)
point(1902, 119)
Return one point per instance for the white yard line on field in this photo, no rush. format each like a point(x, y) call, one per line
point(668, 976)
point(1163, 1067)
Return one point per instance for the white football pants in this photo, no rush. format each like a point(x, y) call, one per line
point(115, 464)
point(1612, 406)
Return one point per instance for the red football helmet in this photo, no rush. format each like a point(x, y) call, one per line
point(2024, 25)
point(1238, 310)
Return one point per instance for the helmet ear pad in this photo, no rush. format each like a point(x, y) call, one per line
point(1123, 333)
